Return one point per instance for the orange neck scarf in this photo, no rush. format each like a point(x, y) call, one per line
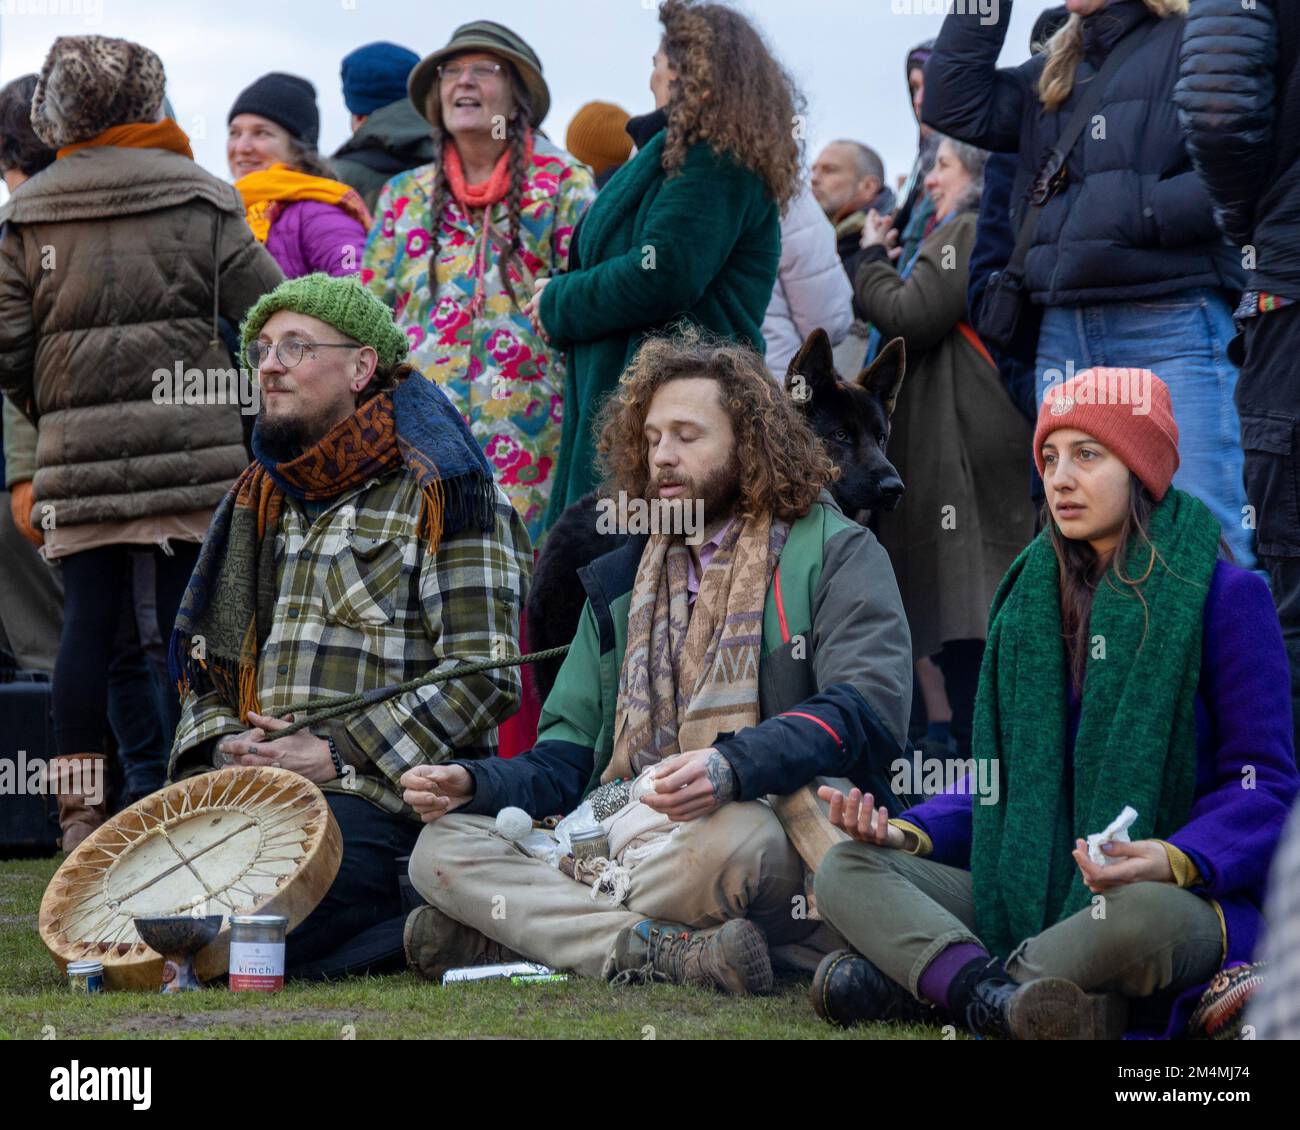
point(489, 192)
point(265, 191)
point(483, 195)
point(137, 135)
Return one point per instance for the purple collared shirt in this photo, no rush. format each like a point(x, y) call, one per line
point(707, 550)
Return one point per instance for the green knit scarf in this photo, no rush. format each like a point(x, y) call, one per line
point(1136, 741)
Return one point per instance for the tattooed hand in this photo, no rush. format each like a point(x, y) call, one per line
point(692, 784)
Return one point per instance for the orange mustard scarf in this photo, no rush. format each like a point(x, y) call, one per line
point(137, 135)
point(266, 191)
point(488, 192)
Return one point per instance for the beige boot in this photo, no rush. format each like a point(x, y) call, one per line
point(732, 957)
point(77, 777)
point(435, 942)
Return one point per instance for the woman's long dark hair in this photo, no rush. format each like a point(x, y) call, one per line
point(1082, 571)
point(521, 114)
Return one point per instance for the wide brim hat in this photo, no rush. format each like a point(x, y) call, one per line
point(481, 35)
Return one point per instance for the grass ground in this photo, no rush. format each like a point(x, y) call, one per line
point(35, 1003)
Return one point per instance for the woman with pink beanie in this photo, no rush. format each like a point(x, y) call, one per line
point(1105, 858)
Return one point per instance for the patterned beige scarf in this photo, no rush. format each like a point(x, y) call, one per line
point(690, 675)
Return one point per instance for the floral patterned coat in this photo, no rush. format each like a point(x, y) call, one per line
point(506, 381)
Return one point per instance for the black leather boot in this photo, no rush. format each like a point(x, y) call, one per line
point(985, 998)
point(847, 989)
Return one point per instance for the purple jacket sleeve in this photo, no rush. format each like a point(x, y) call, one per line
point(946, 819)
point(1238, 816)
point(331, 240)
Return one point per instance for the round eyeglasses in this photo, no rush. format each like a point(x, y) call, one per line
point(289, 351)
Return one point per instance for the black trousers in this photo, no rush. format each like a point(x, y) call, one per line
point(357, 928)
point(1268, 401)
point(96, 588)
point(960, 660)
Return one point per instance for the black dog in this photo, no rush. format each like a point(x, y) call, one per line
point(850, 418)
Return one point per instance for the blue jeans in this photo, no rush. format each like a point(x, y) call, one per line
point(1183, 339)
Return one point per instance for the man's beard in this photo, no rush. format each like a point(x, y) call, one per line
point(718, 493)
point(297, 431)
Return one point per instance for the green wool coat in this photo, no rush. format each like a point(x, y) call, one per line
point(704, 245)
point(960, 446)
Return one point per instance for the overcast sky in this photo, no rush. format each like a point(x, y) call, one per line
point(847, 55)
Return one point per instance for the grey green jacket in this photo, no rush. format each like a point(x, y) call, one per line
point(835, 678)
point(391, 140)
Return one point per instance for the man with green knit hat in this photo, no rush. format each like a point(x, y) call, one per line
point(365, 546)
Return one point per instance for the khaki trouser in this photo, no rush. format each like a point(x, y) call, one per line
point(900, 912)
point(734, 863)
point(31, 599)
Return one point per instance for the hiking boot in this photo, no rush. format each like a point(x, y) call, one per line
point(435, 942)
point(77, 777)
point(731, 957)
point(847, 989)
point(990, 1003)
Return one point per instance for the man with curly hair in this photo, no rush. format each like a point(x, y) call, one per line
point(771, 653)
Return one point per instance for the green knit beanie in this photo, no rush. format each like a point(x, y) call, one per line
point(342, 302)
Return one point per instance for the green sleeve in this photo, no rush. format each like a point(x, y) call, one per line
point(573, 711)
point(926, 306)
point(20, 447)
point(690, 231)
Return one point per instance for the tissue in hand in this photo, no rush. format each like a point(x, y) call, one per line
point(1116, 831)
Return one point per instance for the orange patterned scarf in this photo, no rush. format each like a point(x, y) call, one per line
point(229, 604)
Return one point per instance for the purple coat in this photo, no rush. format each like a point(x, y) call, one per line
point(1243, 721)
point(310, 236)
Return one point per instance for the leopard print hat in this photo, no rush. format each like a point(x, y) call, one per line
point(91, 82)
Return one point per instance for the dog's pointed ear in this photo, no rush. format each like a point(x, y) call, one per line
point(811, 371)
point(884, 376)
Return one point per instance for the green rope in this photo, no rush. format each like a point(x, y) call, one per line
point(318, 710)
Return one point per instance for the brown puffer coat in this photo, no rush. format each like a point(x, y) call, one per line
point(115, 263)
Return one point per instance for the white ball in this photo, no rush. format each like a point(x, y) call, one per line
point(514, 823)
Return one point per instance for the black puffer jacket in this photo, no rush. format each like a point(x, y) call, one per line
point(1239, 101)
point(1135, 220)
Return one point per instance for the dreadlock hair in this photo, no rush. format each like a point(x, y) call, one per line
point(386, 379)
point(521, 113)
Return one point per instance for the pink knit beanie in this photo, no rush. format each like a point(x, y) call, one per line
point(1128, 410)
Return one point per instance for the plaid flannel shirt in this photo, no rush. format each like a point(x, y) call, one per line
point(362, 605)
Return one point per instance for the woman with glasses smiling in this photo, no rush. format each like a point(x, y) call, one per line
point(460, 242)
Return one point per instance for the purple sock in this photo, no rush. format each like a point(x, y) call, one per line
point(937, 978)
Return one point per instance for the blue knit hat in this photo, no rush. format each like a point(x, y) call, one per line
point(375, 75)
